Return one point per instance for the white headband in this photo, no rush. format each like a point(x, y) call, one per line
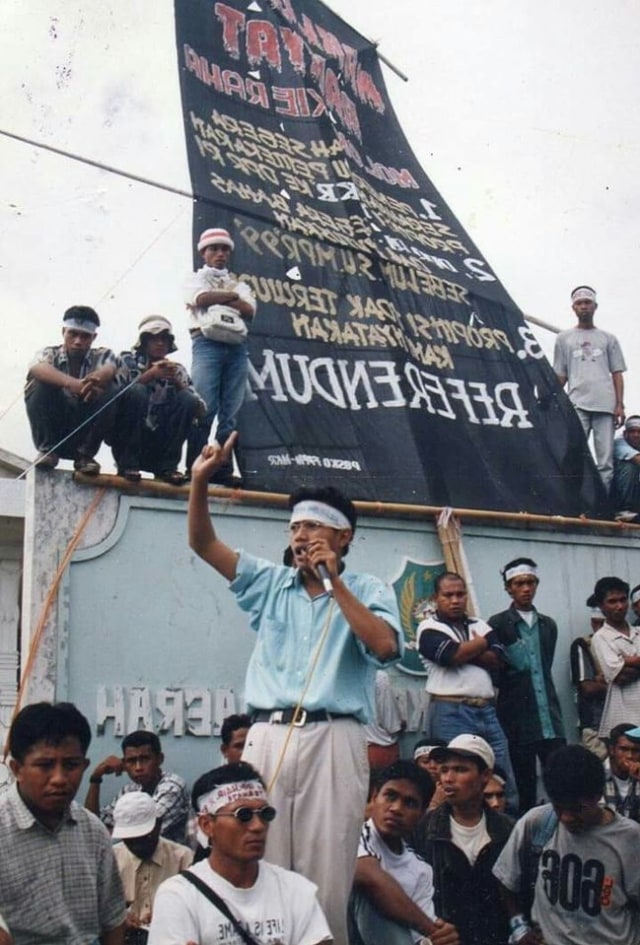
point(312, 511)
point(80, 324)
point(583, 293)
point(519, 569)
point(225, 794)
point(635, 596)
point(423, 750)
point(633, 423)
point(498, 778)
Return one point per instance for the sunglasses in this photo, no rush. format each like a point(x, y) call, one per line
point(246, 814)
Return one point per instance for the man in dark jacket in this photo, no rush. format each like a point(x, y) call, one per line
point(462, 840)
point(528, 706)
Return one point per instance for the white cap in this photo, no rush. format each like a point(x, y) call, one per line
point(469, 746)
point(134, 815)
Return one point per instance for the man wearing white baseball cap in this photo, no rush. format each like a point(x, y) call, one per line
point(220, 307)
point(144, 858)
point(156, 413)
point(462, 839)
point(590, 361)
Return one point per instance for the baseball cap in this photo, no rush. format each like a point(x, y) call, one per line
point(134, 815)
point(469, 746)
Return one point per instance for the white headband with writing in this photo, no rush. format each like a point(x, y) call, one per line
point(311, 511)
point(583, 293)
point(225, 794)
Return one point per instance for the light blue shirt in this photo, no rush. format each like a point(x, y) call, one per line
point(289, 624)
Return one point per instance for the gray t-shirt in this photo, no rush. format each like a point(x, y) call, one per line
point(588, 357)
point(588, 883)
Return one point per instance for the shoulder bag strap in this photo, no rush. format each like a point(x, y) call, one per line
point(220, 904)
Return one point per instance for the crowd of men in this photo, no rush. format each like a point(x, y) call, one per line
point(146, 406)
point(140, 402)
point(287, 844)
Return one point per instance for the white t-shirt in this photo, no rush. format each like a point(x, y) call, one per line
point(470, 839)
point(587, 357)
point(281, 908)
point(407, 868)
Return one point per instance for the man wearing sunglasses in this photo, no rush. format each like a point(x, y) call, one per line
point(322, 632)
point(270, 904)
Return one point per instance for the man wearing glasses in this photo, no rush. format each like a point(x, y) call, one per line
point(220, 307)
point(269, 903)
point(322, 632)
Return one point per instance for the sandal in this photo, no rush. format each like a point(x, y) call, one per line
point(131, 475)
point(173, 477)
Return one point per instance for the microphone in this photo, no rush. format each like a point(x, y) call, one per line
point(324, 577)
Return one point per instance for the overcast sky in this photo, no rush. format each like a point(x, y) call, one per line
point(524, 114)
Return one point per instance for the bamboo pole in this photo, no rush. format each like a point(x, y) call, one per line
point(364, 506)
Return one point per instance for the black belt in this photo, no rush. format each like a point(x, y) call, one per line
point(303, 716)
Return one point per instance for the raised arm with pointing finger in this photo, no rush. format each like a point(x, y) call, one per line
point(317, 651)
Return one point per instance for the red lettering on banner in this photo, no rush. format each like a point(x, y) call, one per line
point(295, 48)
point(288, 96)
point(232, 22)
point(284, 7)
point(233, 84)
point(308, 30)
point(257, 93)
point(330, 44)
point(262, 43)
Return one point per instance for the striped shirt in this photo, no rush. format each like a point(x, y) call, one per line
point(57, 885)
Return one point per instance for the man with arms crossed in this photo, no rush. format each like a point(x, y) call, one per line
point(616, 647)
point(275, 906)
point(334, 637)
point(461, 653)
point(587, 879)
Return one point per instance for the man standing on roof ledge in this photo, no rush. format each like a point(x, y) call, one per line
point(321, 634)
point(220, 308)
point(590, 361)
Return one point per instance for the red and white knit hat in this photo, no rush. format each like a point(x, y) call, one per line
point(214, 236)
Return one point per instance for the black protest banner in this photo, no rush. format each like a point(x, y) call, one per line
point(386, 357)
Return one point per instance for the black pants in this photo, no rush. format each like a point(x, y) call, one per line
point(53, 413)
point(523, 759)
point(136, 446)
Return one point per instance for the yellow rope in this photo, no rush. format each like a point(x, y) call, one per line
point(50, 598)
point(307, 683)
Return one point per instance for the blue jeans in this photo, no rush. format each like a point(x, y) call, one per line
point(219, 372)
point(448, 719)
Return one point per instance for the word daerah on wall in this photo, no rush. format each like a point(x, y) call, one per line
point(384, 346)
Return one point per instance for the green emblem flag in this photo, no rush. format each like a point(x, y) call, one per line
point(414, 589)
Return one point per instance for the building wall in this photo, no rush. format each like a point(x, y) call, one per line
point(144, 634)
